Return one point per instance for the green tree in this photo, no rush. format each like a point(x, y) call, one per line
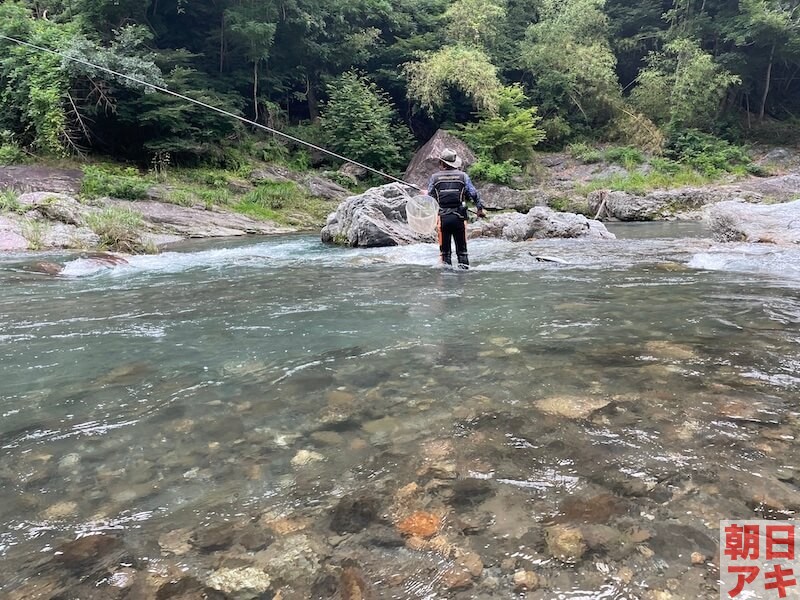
point(508, 134)
point(35, 84)
point(774, 28)
point(359, 122)
point(474, 22)
point(467, 69)
point(252, 27)
point(682, 86)
point(462, 63)
point(568, 53)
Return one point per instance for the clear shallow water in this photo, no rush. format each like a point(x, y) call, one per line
point(640, 391)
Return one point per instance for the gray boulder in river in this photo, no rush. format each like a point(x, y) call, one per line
point(770, 223)
point(378, 218)
point(538, 223)
point(375, 218)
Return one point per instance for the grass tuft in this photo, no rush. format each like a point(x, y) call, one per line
point(119, 229)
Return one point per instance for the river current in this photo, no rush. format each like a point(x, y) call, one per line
point(361, 419)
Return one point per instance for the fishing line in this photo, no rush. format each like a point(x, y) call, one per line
point(221, 111)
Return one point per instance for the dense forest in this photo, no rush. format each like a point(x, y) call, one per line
point(373, 78)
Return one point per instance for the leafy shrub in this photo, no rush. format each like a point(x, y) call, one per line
point(706, 153)
point(509, 134)
point(125, 184)
point(217, 179)
point(10, 152)
point(346, 181)
point(758, 170)
point(119, 229)
point(11, 155)
point(559, 204)
point(626, 156)
point(233, 158)
point(665, 165)
point(273, 149)
point(300, 156)
point(585, 153)
point(492, 172)
point(557, 131)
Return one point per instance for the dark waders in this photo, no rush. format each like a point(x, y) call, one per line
point(452, 226)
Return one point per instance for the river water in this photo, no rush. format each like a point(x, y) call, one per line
point(278, 404)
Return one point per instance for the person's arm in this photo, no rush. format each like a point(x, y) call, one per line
point(430, 185)
point(473, 193)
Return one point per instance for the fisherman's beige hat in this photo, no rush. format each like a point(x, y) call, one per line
point(450, 158)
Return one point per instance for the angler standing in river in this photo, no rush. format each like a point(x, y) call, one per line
point(450, 187)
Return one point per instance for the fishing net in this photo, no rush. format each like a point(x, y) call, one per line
point(421, 213)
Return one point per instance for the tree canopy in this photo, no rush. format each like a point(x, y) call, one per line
point(573, 69)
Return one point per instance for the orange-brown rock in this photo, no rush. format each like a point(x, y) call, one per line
point(457, 578)
point(420, 524)
point(472, 562)
point(353, 585)
point(287, 525)
point(525, 581)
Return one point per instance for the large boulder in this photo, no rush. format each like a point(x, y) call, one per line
point(540, 222)
point(779, 158)
point(741, 222)
point(273, 174)
point(54, 206)
point(375, 218)
point(426, 161)
point(660, 204)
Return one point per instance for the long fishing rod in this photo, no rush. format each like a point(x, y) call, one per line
point(221, 111)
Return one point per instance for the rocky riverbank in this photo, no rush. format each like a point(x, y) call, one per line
point(44, 208)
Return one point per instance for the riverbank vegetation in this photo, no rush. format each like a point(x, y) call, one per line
point(683, 87)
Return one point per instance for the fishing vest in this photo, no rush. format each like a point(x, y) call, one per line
point(449, 189)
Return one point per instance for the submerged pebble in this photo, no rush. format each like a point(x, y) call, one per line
point(245, 583)
point(306, 457)
point(60, 510)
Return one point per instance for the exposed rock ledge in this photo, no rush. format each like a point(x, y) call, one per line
point(663, 204)
point(378, 218)
point(771, 223)
point(58, 221)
